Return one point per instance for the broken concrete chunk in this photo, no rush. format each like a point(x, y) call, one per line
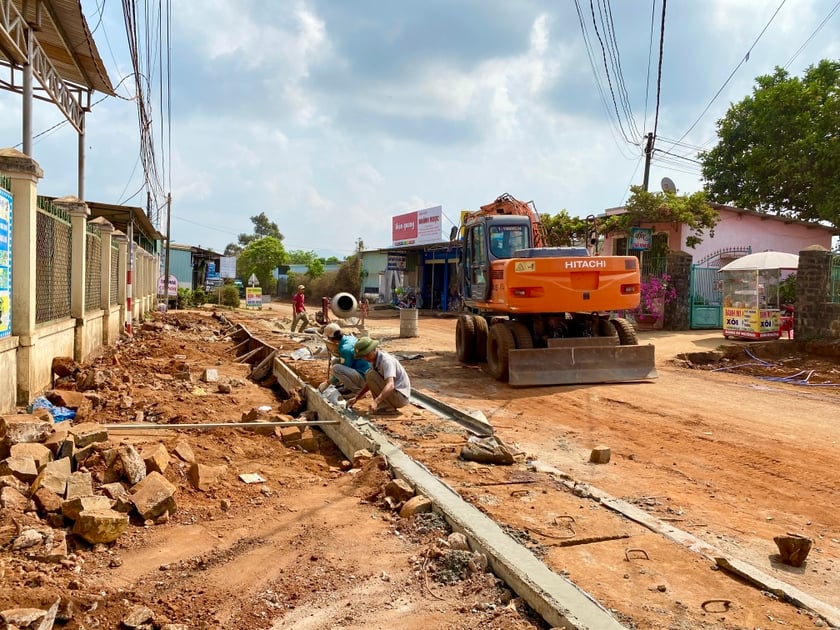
point(361, 457)
point(204, 477)
point(100, 526)
point(600, 455)
point(210, 375)
point(134, 468)
point(75, 506)
point(87, 433)
point(416, 505)
point(38, 452)
point(79, 484)
point(24, 427)
point(156, 458)
point(153, 496)
point(458, 542)
point(26, 539)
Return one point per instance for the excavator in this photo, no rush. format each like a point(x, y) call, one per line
point(544, 315)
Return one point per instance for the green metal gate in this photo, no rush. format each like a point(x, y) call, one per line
point(706, 294)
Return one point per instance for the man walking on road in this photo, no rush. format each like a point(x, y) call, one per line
point(387, 379)
point(299, 310)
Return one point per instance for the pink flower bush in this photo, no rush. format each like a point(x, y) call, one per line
point(656, 292)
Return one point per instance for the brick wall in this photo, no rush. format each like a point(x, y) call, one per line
point(677, 315)
point(815, 316)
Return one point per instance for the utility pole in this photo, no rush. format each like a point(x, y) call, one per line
point(166, 264)
point(648, 154)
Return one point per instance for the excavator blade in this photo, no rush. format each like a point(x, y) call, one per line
point(576, 363)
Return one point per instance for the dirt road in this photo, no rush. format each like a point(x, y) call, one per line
point(728, 458)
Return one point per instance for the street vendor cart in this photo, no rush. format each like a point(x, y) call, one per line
point(751, 303)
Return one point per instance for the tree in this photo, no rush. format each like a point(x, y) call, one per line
point(562, 230)
point(779, 148)
point(262, 257)
point(651, 207)
point(262, 227)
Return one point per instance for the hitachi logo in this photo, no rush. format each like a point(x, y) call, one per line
point(585, 264)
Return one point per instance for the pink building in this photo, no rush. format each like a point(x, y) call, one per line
point(737, 229)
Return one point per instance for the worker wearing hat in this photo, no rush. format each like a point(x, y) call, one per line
point(299, 310)
point(387, 379)
point(349, 372)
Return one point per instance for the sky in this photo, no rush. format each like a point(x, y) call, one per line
point(332, 117)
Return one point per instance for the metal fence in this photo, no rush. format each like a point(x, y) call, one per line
point(52, 263)
point(93, 269)
point(5, 183)
point(115, 275)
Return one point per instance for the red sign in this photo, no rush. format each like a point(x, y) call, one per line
point(404, 227)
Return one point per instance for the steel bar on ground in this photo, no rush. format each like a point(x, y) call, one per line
point(219, 425)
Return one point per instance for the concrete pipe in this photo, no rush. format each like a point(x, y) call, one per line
point(343, 305)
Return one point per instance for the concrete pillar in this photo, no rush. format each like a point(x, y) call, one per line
point(79, 212)
point(122, 268)
point(24, 173)
point(106, 231)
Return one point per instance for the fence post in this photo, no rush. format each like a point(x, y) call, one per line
point(106, 231)
point(79, 212)
point(24, 174)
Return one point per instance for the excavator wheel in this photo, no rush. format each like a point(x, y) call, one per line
point(500, 342)
point(626, 332)
point(522, 335)
point(481, 332)
point(465, 338)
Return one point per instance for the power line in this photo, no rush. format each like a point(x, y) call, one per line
point(744, 59)
point(650, 52)
point(813, 34)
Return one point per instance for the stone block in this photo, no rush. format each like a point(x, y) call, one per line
point(155, 457)
point(288, 434)
point(416, 505)
point(46, 500)
point(88, 433)
point(134, 468)
point(79, 484)
point(53, 476)
point(204, 477)
point(153, 496)
point(184, 452)
point(71, 508)
point(13, 500)
point(55, 439)
point(399, 489)
point(24, 427)
point(100, 526)
point(600, 455)
point(22, 468)
point(38, 452)
point(210, 375)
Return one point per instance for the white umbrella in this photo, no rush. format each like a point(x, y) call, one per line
point(763, 260)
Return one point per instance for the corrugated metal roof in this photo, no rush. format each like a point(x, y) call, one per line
point(67, 41)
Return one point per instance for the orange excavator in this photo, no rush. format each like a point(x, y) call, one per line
point(544, 315)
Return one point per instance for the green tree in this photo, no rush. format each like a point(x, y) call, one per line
point(262, 227)
point(261, 257)
point(563, 230)
point(652, 207)
point(779, 148)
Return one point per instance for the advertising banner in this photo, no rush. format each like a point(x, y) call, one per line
point(253, 297)
point(640, 239)
point(227, 266)
point(5, 263)
point(173, 286)
point(751, 322)
point(417, 228)
point(396, 262)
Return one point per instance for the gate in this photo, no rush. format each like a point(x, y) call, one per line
point(705, 287)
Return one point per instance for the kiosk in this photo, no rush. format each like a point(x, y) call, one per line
point(751, 305)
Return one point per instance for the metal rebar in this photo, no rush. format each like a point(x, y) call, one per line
point(220, 425)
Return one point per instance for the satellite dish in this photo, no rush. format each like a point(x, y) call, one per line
point(668, 185)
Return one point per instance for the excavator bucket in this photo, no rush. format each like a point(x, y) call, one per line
point(579, 361)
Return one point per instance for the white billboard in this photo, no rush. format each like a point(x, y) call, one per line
point(417, 228)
